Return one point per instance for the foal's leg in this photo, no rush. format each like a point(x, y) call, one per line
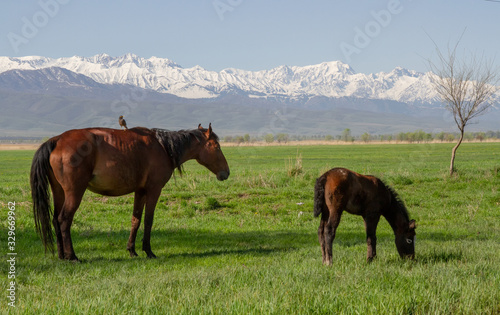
point(139, 201)
point(321, 238)
point(151, 199)
point(335, 205)
point(371, 223)
point(330, 230)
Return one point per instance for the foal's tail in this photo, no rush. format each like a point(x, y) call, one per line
point(319, 195)
point(39, 181)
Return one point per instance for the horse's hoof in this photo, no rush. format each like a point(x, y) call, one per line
point(133, 253)
point(151, 255)
point(72, 258)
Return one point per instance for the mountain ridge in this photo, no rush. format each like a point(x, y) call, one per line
point(330, 79)
point(46, 96)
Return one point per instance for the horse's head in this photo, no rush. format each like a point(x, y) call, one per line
point(405, 241)
point(211, 155)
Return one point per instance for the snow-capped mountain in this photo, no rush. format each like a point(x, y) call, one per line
point(329, 79)
point(42, 96)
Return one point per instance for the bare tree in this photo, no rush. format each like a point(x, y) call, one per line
point(465, 86)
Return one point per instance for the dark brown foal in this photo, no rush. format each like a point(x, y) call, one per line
point(340, 189)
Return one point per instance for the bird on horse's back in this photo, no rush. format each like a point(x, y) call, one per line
point(113, 162)
point(109, 161)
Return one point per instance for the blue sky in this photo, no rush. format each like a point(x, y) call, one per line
point(371, 36)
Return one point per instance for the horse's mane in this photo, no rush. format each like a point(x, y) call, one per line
point(397, 203)
point(176, 143)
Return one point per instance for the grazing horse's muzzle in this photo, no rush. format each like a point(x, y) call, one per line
point(223, 175)
point(407, 256)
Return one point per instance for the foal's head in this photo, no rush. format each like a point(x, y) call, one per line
point(211, 156)
point(405, 240)
point(403, 227)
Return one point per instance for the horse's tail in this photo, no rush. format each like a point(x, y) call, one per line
point(319, 195)
point(39, 181)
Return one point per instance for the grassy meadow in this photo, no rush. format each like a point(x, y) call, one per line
point(248, 245)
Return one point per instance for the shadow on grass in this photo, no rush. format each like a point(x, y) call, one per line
point(210, 253)
point(441, 256)
point(191, 243)
point(250, 251)
point(99, 245)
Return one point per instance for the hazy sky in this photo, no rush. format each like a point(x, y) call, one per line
point(371, 36)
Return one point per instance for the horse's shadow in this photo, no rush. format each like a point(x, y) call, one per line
point(171, 244)
point(192, 243)
point(441, 256)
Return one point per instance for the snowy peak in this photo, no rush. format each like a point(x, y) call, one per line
point(329, 79)
point(335, 67)
point(23, 63)
point(402, 72)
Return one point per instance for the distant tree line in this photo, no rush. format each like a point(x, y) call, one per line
point(346, 136)
point(13, 139)
point(418, 136)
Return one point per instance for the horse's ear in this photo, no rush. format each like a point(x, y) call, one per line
point(199, 126)
point(208, 133)
point(412, 225)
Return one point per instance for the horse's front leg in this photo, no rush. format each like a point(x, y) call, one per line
point(139, 201)
point(151, 200)
point(371, 223)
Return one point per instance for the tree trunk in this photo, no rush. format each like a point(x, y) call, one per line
point(454, 151)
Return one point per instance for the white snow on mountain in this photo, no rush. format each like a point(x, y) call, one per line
point(330, 79)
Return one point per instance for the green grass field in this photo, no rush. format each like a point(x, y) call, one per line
point(249, 245)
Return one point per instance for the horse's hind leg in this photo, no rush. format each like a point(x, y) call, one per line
point(139, 201)
point(65, 218)
point(329, 234)
point(326, 235)
point(321, 238)
point(58, 196)
point(330, 227)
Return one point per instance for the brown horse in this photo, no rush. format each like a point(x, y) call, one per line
point(340, 189)
point(113, 163)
